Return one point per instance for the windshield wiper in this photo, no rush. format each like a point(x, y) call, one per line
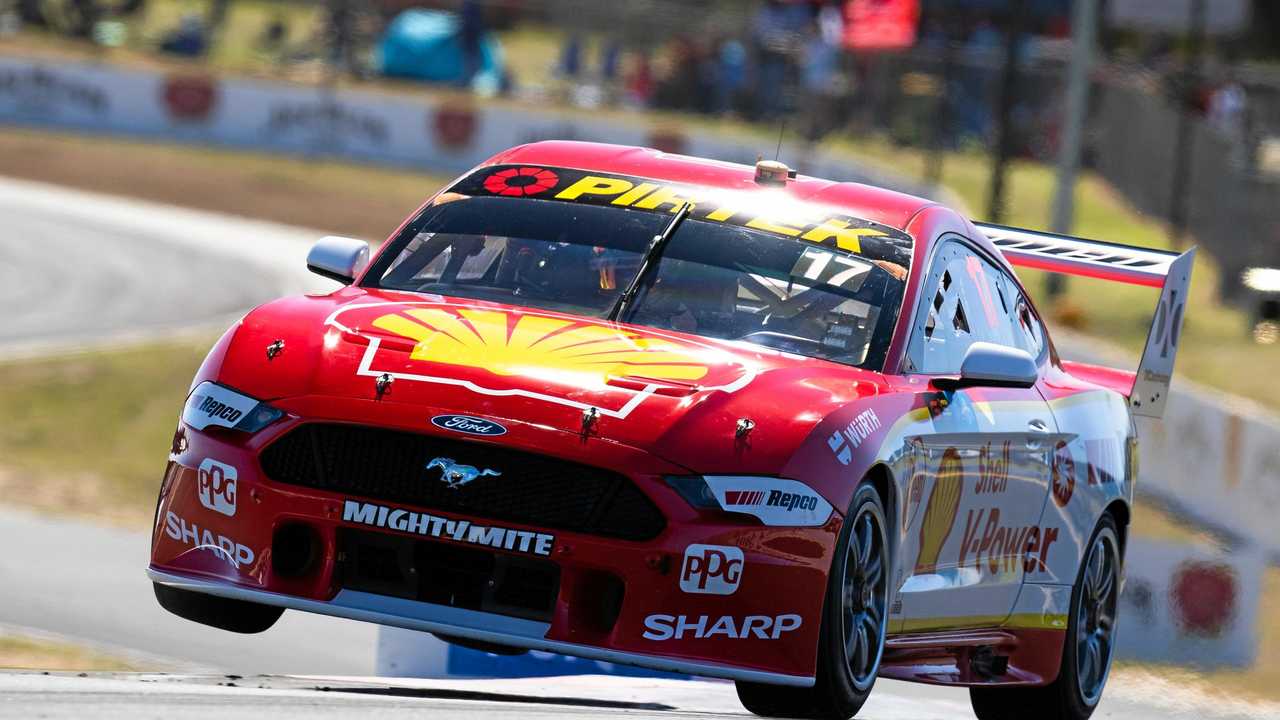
point(652, 257)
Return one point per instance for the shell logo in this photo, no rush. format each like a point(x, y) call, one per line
point(537, 346)
point(941, 511)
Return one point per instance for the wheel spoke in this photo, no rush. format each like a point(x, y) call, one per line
point(1107, 582)
point(1105, 622)
point(850, 642)
point(874, 570)
point(873, 613)
point(864, 541)
point(1086, 664)
point(872, 629)
point(860, 664)
point(1092, 573)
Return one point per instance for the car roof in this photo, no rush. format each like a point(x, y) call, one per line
point(868, 202)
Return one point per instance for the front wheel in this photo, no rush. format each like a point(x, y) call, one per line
point(854, 620)
point(1087, 652)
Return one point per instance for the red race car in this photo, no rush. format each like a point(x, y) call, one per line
point(681, 414)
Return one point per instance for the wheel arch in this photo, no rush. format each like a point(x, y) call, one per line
point(880, 477)
point(1119, 510)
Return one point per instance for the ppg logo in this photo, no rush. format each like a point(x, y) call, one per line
point(217, 487)
point(711, 570)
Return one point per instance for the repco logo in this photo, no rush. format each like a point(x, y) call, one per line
point(217, 487)
point(711, 570)
point(215, 409)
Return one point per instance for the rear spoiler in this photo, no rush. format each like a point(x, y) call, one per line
point(1169, 271)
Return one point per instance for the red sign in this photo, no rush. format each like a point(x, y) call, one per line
point(1204, 597)
point(455, 127)
point(881, 24)
point(190, 97)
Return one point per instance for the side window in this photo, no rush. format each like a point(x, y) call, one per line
point(965, 303)
point(1027, 330)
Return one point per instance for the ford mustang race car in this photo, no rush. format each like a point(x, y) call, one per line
point(681, 414)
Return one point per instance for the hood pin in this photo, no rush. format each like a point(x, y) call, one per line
point(589, 418)
point(275, 349)
point(382, 384)
point(743, 428)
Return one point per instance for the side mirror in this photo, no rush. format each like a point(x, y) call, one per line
point(989, 365)
point(338, 258)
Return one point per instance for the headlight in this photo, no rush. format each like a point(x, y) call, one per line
point(214, 404)
point(775, 501)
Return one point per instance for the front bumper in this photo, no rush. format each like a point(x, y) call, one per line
point(228, 549)
point(486, 627)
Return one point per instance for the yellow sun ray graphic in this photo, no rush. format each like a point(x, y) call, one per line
point(507, 344)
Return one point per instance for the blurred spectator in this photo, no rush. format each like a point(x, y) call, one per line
point(190, 39)
point(610, 60)
point(570, 65)
point(471, 33)
point(639, 81)
point(273, 37)
point(1228, 112)
point(821, 68)
point(775, 35)
point(731, 75)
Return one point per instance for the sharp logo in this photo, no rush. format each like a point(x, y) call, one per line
point(408, 521)
point(216, 487)
point(679, 627)
point(191, 534)
point(711, 570)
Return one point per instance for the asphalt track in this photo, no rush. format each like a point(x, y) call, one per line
point(80, 269)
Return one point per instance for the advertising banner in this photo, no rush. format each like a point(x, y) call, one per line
point(1189, 605)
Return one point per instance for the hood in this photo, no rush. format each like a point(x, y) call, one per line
point(677, 396)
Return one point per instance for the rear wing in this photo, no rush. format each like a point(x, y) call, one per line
point(1169, 271)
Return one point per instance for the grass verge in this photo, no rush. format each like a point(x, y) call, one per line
point(88, 434)
point(24, 652)
point(336, 197)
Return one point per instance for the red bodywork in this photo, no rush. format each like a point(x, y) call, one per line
point(678, 429)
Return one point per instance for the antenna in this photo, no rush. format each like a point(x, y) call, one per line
point(782, 126)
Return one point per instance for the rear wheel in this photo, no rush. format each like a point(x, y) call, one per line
point(1087, 652)
point(853, 624)
point(224, 613)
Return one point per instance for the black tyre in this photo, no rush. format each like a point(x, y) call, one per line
point(224, 613)
point(854, 619)
point(1087, 652)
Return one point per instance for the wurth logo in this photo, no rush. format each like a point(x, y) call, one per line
point(744, 497)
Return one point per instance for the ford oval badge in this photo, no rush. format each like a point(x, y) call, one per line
point(469, 425)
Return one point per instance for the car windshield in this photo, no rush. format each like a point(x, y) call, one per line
point(713, 279)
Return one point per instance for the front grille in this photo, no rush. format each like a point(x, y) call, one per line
point(443, 574)
point(532, 489)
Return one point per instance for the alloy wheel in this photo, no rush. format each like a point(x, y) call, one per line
point(865, 596)
point(1096, 616)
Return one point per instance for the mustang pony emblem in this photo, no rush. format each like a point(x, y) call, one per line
point(455, 475)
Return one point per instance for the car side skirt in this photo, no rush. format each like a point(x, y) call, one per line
point(485, 627)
